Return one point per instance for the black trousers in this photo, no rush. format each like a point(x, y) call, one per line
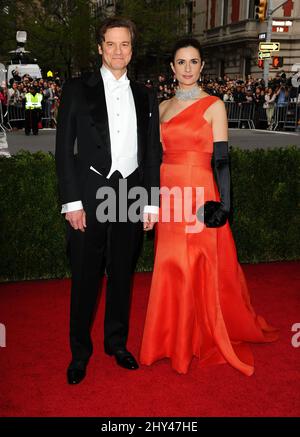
point(32, 117)
point(113, 246)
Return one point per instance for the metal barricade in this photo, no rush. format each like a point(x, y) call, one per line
point(47, 112)
point(233, 110)
point(292, 116)
point(262, 115)
point(247, 114)
point(240, 113)
point(17, 113)
point(279, 116)
point(2, 119)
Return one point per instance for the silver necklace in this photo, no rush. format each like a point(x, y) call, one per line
point(190, 94)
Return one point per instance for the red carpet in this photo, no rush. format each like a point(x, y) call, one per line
point(33, 364)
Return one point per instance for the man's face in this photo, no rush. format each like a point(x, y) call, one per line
point(116, 49)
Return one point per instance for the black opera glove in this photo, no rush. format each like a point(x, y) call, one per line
point(216, 213)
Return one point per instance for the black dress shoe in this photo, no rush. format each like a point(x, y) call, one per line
point(76, 372)
point(123, 358)
point(75, 376)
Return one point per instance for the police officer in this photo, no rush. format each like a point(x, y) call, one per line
point(33, 106)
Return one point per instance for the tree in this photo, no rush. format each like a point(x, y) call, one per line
point(159, 24)
point(60, 33)
point(8, 27)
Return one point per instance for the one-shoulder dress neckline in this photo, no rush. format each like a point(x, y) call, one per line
point(185, 109)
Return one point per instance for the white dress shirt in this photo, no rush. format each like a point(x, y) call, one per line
point(123, 131)
point(122, 123)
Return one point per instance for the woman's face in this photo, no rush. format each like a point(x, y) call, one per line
point(187, 66)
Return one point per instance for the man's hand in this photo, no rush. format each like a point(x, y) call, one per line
point(77, 219)
point(149, 220)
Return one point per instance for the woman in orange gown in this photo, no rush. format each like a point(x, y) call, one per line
point(199, 303)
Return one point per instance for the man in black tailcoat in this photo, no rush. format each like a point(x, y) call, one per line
point(116, 124)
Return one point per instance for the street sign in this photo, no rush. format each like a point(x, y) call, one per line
point(282, 23)
point(269, 46)
point(278, 29)
point(262, 35)
point(264, 55)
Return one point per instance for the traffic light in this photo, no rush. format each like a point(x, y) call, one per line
point(277, 61)
point(260, 10)
point(260, 63)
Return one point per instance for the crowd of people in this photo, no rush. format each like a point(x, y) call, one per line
point(276, 94)
point(13, 96)
point(231, 90)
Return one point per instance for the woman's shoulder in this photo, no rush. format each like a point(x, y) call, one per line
point(164, 105)
point(204, 94)
point(216, 109)
point(216, 101)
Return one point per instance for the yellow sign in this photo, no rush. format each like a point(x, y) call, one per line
point(269, 46)
point(49, 73)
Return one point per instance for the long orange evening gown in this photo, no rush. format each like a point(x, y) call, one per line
point(199, 302)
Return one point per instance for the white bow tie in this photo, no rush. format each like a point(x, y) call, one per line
point(114, 85)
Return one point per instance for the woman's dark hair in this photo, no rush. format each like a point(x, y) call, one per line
point(187, 42)
point(111, 22)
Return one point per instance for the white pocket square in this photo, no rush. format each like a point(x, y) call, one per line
point(96, 171)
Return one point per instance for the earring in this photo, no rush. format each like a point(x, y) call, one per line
point(200, 81)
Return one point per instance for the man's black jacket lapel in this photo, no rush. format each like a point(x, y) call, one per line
point(95, 97)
